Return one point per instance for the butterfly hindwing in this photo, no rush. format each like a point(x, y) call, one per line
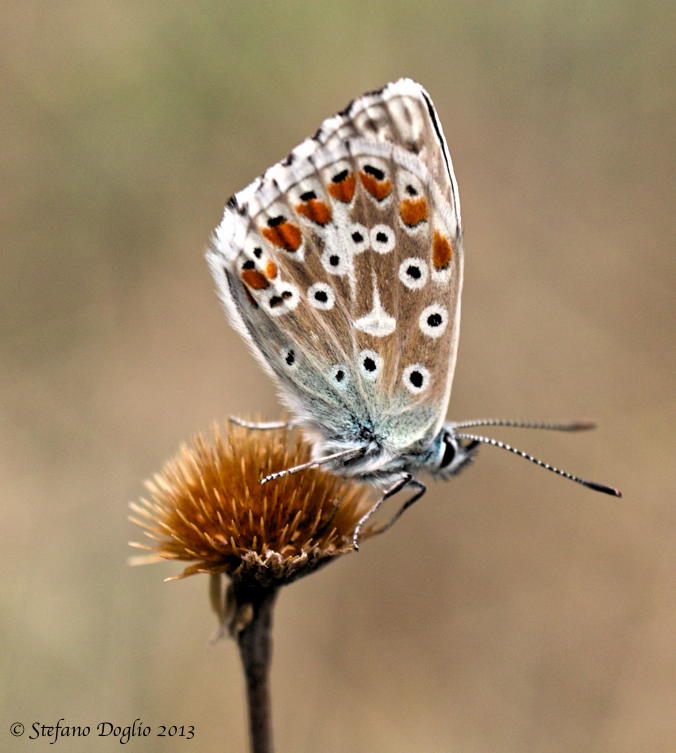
point(342, 267)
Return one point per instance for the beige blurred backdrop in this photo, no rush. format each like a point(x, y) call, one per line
point(510, 610)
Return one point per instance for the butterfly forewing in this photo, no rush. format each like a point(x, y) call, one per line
point(342, 267)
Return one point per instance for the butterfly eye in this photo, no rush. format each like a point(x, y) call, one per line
point(321, 296)
point(339, 376)
point(370, 364)
point(433, 320)
point(416, 378)
point(382, 239)
point(449, 452)
point(359, 238)
point(413, 273)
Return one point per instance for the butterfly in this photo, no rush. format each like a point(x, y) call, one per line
point(341, 267)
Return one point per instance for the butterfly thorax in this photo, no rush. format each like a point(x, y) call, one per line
point(443, 457)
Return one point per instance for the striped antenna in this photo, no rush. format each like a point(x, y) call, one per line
point(504, 446)
point(548, 425)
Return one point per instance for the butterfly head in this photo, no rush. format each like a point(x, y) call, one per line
point(450, 454)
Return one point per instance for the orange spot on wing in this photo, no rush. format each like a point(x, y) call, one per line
point(343, 190)
point(442, 251)
point(315, 210)
point(285, 235)
point(271, 270)
point(379, 189)
point(413, 211)
point(254, 279)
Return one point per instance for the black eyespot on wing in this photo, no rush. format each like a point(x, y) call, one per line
point(416, 379)
point(357, 237)
point(339, 376)
point(248, 264)
point(274, 221)
point(433, 320)
point(308, 195)
point(369, 364)
point(290, 358)
point(258, 252)
point(411, 191)
point(340, 177)
point(334, 260)
point(275, 301)
point(414, 272)
point(383, 239)
point(376, 172)
point(321, 296)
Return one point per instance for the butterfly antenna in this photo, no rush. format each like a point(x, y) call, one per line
point(504, 446)
point(548, 425)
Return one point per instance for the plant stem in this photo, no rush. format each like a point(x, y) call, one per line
point(255, 649)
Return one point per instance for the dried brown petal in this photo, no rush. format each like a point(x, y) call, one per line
point(207, 506)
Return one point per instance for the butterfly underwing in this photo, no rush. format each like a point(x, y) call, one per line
point(342, 267)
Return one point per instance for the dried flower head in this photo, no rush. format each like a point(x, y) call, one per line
point(208, 507)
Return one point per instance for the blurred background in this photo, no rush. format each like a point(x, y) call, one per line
point(510, 610)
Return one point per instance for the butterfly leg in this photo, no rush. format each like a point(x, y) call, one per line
point(259, 425)
point(342, 455)
point(406, 478)
point(421, 489)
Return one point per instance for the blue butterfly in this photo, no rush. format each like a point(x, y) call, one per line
point(342, 266)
